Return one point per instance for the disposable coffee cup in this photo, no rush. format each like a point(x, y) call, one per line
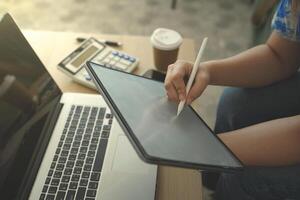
point(166, 43)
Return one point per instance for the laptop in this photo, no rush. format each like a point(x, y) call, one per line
point(59, 146)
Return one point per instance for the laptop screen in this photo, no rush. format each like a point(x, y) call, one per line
point(26, 93)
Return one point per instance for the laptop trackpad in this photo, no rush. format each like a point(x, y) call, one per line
point(126, 159)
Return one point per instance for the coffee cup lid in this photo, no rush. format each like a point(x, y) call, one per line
point(166, 39)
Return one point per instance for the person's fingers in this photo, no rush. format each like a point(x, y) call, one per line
point(178, 82)
point(180, 71)
point(169, 86)
point(174, 81)
point(197, 88)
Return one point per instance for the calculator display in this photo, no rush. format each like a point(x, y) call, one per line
point(84, 56)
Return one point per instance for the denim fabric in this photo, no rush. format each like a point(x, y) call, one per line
point(240, 108)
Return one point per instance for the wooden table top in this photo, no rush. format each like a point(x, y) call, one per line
point(51, 47)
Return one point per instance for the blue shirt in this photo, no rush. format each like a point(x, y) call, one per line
point(285, 22)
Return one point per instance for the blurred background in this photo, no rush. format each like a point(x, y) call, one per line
point(231, 25)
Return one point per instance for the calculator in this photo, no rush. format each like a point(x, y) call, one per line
point(93, 50)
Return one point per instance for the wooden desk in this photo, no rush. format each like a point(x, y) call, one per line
point(172, 183)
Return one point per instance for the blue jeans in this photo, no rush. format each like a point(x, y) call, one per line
point(240, 108)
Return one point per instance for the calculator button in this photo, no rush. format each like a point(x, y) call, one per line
point(126, 57)
point(115, 53)
point(125, 62)
point(116, 59)
point(88, 78)
point(121, 66)
point(110, 56)
point(132, 59)
point(108, 65)
point(121, 55)
point(112, 62)
point(106, 60)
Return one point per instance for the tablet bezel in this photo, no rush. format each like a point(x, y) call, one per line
point(134, 140)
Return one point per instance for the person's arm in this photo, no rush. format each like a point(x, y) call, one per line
point(262, 65)
point(271, 143)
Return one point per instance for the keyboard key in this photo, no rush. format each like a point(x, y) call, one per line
point(68, 171)
point(93, 185)
point(79, 163)
point(70, 195)
point(91, 154)
point(50, 197)
point(87, 137)
point(72, 157)
point(65, 179)
point(60, 166)
point(83, 182)
point(57, 174)
point(83, 149)
point(64, 153)
point(62, 159)
point(93, 147)
point(85, 143)
point(60, 195)
point(68, 140)
point(77, 170)
point(52, 189)
point(95, 176)
point(63, 186)
point(73, 185)
point(42, 197)
point(45, 188)
point(55, 158)
point(50, 173)
point(76, 144)
point(52, 165)
point(87, 167)
point(75, 177)
point(100, 155)
point(85, 174)
point(106, 127)
point(66, 146)
point(94, 140)
point(78, 137)
point(98, 128)
point(108, 115)
point(55, 182)
point(81, 156)
point(70, 164)
point(105, 134)
point(80, 193)
point(96, 133)
point(47, 181)
point(91, 193)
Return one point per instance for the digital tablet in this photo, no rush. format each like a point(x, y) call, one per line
point(149, 120)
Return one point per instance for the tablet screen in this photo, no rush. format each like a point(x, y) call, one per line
point(150, 121)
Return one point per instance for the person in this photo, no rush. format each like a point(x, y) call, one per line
point(258, 115)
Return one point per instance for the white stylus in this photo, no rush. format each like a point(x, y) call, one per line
point(193, 74)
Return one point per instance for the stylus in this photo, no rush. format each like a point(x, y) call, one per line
point(193, 74)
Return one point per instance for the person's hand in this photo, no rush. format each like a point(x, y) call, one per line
point(176, 78)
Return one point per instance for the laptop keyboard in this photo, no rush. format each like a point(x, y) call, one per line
point(76, 167)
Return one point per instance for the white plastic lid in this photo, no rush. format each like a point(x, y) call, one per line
point(166, 39)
